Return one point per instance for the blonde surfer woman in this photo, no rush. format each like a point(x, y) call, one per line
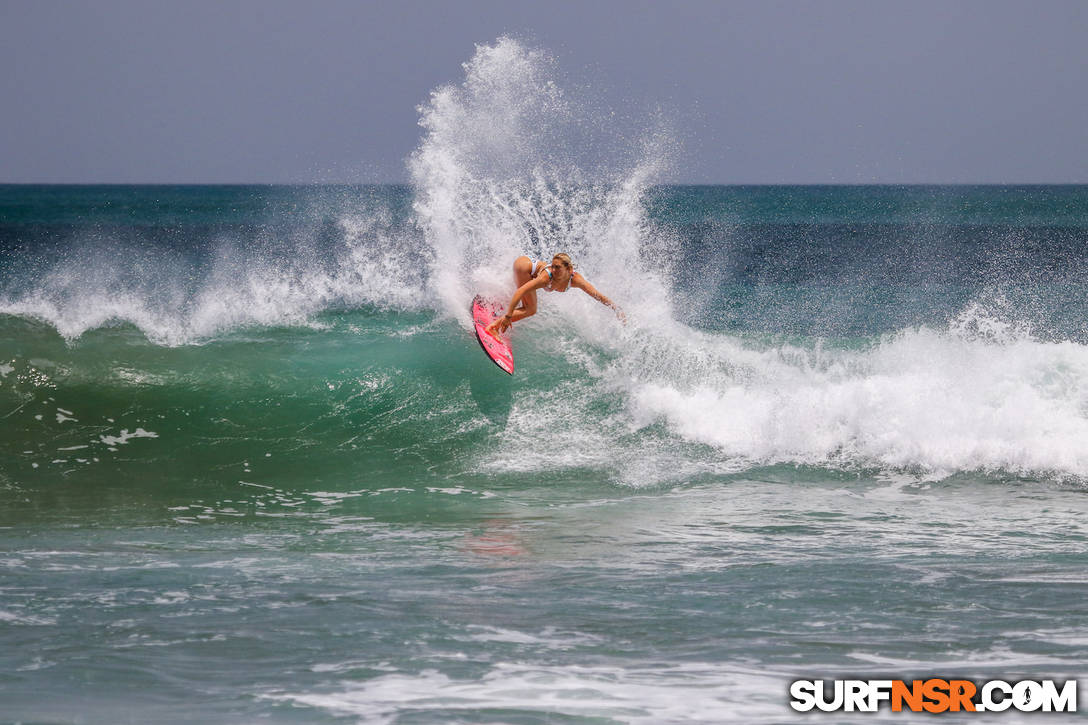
point(559, 276)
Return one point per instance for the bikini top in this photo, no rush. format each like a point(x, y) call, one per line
point(537, 266)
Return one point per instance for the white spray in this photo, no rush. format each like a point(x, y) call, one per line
point(509, 165)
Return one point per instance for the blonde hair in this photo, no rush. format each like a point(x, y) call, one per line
point(565, 259)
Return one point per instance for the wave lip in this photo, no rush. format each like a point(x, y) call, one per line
point(227, 277)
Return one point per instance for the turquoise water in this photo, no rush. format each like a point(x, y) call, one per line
point(255, 468)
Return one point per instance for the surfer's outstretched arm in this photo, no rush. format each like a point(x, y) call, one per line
point(515, 313)
point(581, 283)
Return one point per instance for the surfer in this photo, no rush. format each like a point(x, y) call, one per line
point(559, 276)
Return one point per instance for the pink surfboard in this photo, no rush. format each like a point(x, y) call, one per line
point(497, 348)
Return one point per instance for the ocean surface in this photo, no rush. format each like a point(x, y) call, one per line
point(255, 468)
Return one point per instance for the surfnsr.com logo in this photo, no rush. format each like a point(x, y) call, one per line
point(933, 695)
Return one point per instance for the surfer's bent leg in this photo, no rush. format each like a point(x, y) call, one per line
point(523, 272)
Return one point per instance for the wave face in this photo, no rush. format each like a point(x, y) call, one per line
point(933, 330)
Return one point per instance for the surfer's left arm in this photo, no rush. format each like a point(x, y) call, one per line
point(583, 284)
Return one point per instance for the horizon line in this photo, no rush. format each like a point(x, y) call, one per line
point(664, 183)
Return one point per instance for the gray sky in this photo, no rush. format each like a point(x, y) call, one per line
point(984, 91)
